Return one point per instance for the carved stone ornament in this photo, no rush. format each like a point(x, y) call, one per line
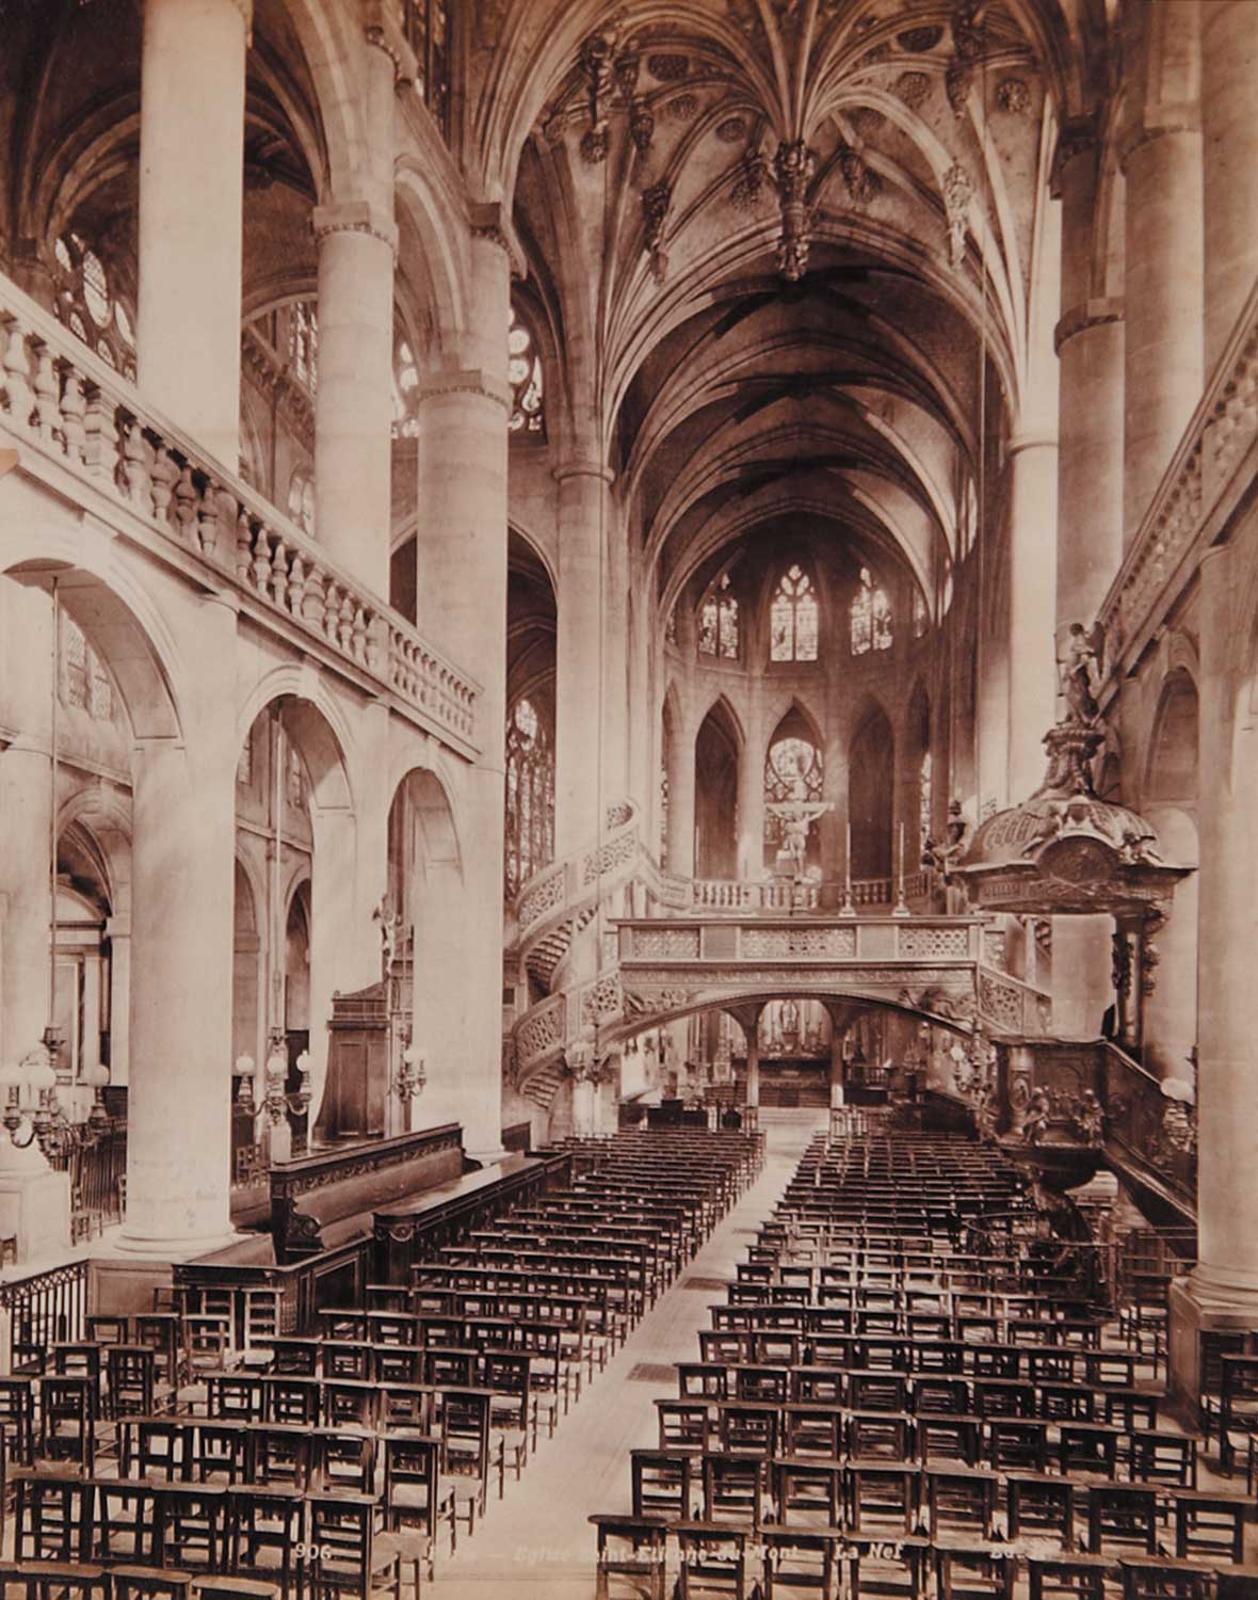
point(1065, 849)
point(751, 181)
point(1014, 96)
point(794, 166)
point(655, 206)
point(912, 88)
point(958, 192)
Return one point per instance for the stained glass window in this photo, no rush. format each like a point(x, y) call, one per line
point(792, 771)
point(921, 616)
point(301, 501)
point(530, 763)
point(670, 628)
point(524, 372)
point(295, 778)
point(303, 342)
point(85, 681)
point(405, 391)
point(87, 303)
point(793, 618)
point(871, 616)
point(718, 622)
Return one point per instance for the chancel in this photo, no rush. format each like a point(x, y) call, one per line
point(628, 878)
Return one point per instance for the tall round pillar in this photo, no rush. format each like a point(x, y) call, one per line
point(462, 608)
point(1090, 345)
point(192, 143)
point(751, 794)
point(581, 659)
point(1163, 268)
point(1229, 69)
point(681, 801)
point(26, 806)
point(1032, 580)
point(183, 869)
point(354, 395)
point(1222, 1292)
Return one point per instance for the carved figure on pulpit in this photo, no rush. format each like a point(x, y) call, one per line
point(943, 855)
point(1036, 1125)
point(1081, 671)
point(1089, 1120)
point(390, 923)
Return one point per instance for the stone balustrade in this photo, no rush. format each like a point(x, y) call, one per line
point(1180, 521)
point(69, 410)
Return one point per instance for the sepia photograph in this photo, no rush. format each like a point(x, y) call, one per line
point(628, 799)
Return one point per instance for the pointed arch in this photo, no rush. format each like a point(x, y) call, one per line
point(871, 794)
point(718, 751)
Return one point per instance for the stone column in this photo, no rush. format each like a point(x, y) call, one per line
point(580, 656)
point(179, 1105)
point(118, 932)
point(1163, 246)
point(751, 794)
point(681, 800)
point(1229, 67)
point(26, 806)
point(836, 1067)
point(1222, 1291)
point(463, 609)
point(192, 141)
point(1032, 581)
point(752, 1033)
point(1090, 344)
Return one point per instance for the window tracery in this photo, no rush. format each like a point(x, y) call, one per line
point(921, 616)
point(870, 616)
point(303, 341)
point(793, 618)
point(718, 622)
point(405, 391)
point(530, 806)
point(89, 305)
point(85, 683)
point(301, 500)
point(793, 770)
point(925, 798)
point(524, 371)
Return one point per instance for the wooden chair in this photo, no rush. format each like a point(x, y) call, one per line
point(151, 1583)
point(1161, 1579)
point(348, 1559)
point(662, 1483)
point(1075, 1577)
point(631, 1558)
point(973, 1572)
point(130, 1380)
point(192, 1524)
point(53, 1580)
point(1210, 1526)
point(263, 1527)
point(799, 1561)
point(52, 1517)
point(712, 1562)
point(126, 1529)
point(67, 1421)
point(1122, 1517)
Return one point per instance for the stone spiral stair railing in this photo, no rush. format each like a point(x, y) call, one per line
point(563, 900)
point(552, 910)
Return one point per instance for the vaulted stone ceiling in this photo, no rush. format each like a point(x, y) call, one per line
point(796, 251)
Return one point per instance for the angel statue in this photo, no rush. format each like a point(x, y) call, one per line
point(1081, 671)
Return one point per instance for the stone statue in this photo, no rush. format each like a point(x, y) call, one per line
point(390, 932)
point(942, 856)
point(1089, 1120)
point(1081, 671)
point(1036, 1125)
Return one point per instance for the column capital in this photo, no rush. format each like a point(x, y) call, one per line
point(1031, 441)
point(1091, 314)
point(1078, 137)
point(583, 469)
point(490, 223)
point(1137, 138)
point(354, 216)
point(474, 381)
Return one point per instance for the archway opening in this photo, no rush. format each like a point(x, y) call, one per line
point(871, 781)
point(716, 796)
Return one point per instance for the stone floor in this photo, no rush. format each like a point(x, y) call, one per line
point(536, 1542)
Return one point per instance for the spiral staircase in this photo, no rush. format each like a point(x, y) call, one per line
point(557, 915)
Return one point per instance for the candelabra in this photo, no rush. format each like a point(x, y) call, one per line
point(299, 1102)
point(95, 1078)
point(30, 1099)
point(275, 1098)
point(411, 1075)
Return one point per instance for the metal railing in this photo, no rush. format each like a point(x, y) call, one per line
point(42, 1308)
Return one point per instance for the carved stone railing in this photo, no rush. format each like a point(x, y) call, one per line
point(1178, 524)
point(1156, 1132)
point(1010, 1007)
point(75, 415)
